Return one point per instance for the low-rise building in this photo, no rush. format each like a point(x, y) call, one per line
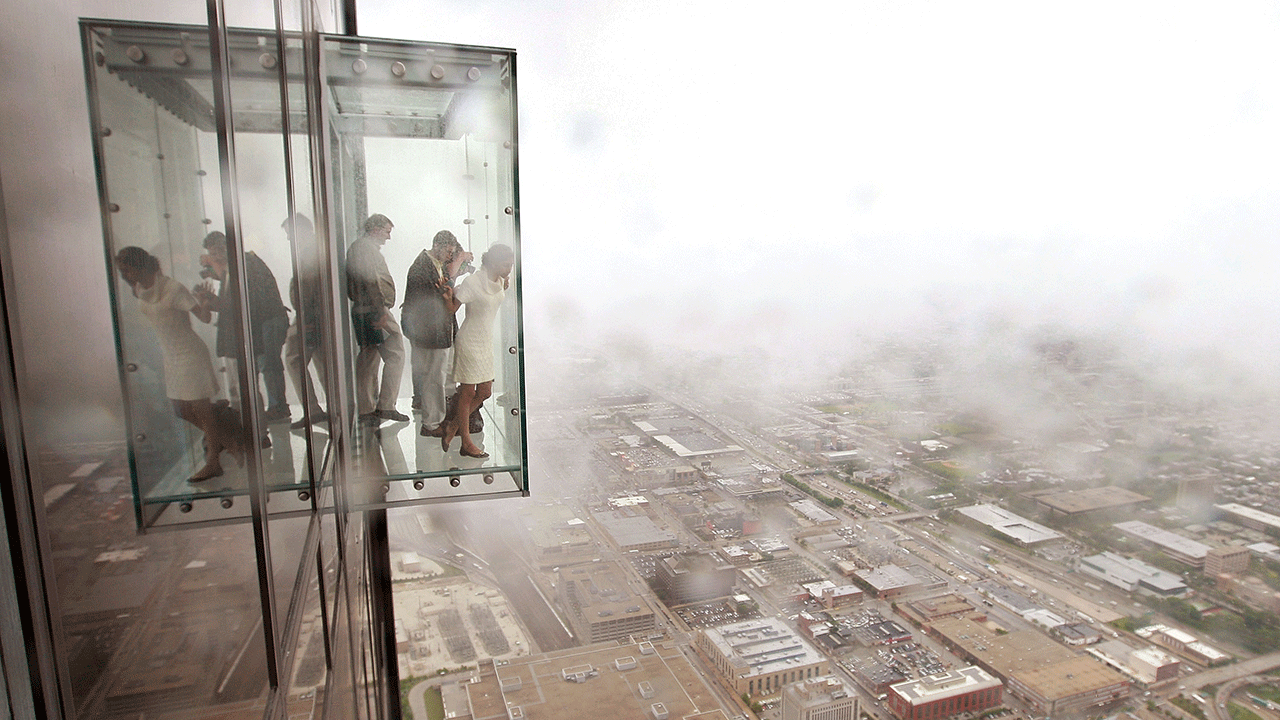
point(936, 608)
point(1145, 665)
point(1077, 634)
point(601, 604)
point(1183, 643)
point(968, 689)
point(632, 530)
point(1233, 559)
point(888, 581)
point(1130, 574)
point(759, 657)
point(830, 595)
point(1251, 517)
point(1251, 591)
point(1183, 549)
point(1020, 530)
point(1069, 686)
point(822, 698)
point(682, 579)
point(999, 654)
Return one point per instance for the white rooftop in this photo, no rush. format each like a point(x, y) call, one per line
point(944, 685)
point(1245, 511)
point(813, 511)
point(767, 644)
point(1171, 541)
point(1019, 528)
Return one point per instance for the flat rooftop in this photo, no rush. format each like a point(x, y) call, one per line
point(888, 577)
point(945, 684)
point(1019, 528)
point(813, 511)
point(1132, 571)
point(1091, 499)
point(1078, 675)
point(766, 644)
point(629, 530)
point(1004, 654)
point(1172, 542)
point(536, 684)
point(1249, 513)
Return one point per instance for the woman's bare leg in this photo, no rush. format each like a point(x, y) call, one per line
point(477, 395)
point(457, 422)
point(200, 414)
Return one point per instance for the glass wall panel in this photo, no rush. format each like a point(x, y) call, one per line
point(305, 657)
point(159, 200)
point(162, 196)
point(424, 169)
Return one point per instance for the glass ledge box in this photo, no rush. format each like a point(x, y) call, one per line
point(237, 175)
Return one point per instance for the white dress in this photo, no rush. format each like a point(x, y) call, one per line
point(188, 370)
point(473, 345)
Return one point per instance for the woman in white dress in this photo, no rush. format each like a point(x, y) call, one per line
point(189, 379)
point(482, 292)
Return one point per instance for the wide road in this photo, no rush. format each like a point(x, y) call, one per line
point(509, 570)
point(502, 566)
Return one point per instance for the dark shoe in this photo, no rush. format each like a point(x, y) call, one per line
point(277, 415)
point(437, 431)
point(265, 442)
point(480, 454)
point(370, 418)
point(393, 415)
point(316, 418)
point(447, 433)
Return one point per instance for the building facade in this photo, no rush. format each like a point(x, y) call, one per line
point(1070, 686)
point(758, 658)
point(969, 689)
point(682, 579)
point(601, 604)
point(1231, 559)
point(822, 698)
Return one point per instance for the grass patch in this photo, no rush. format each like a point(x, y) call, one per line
point(1240, 712)
point(1266, 692)
point(432, 699)
point(877, 494)
point(1190, 706)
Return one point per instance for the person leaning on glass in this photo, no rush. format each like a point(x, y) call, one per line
point(189, 379)
point(429, 323)
point(268, 321)
point(473, 368)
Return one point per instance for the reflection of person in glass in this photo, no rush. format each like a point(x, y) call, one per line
point(302, 341)
point(189, 380)
point(373, 294)
point(267, 319)
point(482, 293)
point(429, 324)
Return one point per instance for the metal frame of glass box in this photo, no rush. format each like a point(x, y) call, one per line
point(346, 113)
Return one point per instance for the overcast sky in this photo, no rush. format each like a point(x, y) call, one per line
point(796, 178)
point(734, 173)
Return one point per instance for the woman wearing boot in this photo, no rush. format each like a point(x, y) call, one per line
point(189, 379)
point(482, 292)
